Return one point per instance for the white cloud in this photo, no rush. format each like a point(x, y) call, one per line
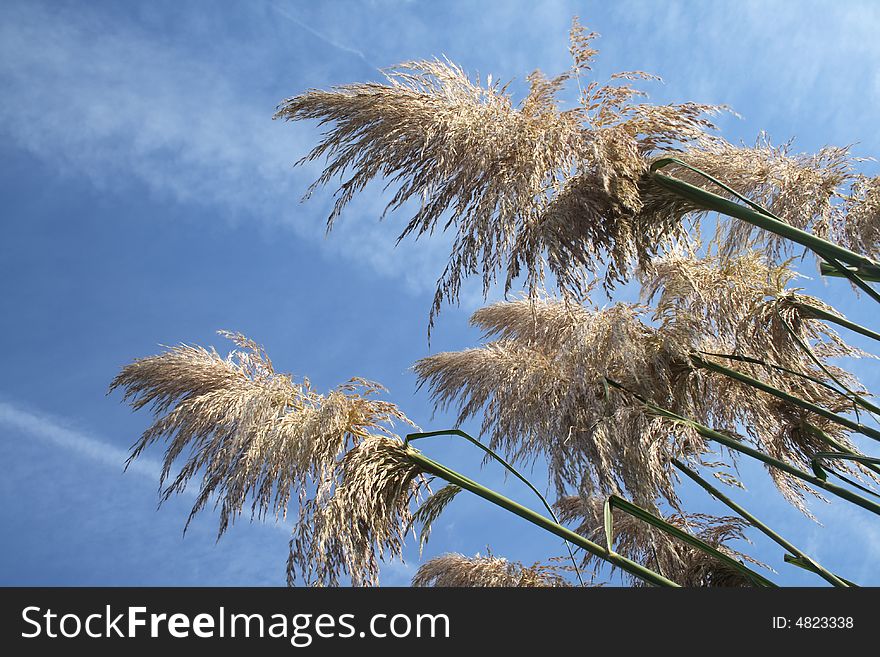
point(57, 433)
point(110, 103)
point(54, 432)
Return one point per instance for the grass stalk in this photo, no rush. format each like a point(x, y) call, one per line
point(780, 394)
point(760, 526)
point(757, 216)
point(615, 501)
point(818, 313)
point(738, 446)
point(627, 565)
point(851, 395)
point(458, 432)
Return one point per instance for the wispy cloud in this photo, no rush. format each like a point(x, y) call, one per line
point(53, 432)
point(323, 37)
point(120, 106)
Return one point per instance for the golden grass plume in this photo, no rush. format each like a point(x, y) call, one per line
point(457, 570)
point(490, 168)
point(256, 436)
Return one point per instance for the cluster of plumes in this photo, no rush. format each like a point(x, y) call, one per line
point(659, 551)
point(364, 519)
point(515, 181)
point(532, 188)
point(805, 190)
point(256, 437)
point(544, 382)
point(541, 385)
point(457, 570)
point(745, 315)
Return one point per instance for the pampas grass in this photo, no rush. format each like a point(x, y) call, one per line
point(614, 398)
point(363, 519)
point(255, 435)
point(805, 190)
point(490, 168)
point(457, 570)
point(539, 383)
point(540, 389)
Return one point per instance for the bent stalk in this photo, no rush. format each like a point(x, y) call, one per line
point(760, 526)
point(627, 565)
point(458, 432)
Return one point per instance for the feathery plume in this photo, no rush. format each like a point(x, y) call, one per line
point(457, 570)
point(362, 517)
point(805, 190)
point(431, 510)
point(256, 435)
point(743, 307)
point(859, 226)
point(541, 388)
point(489, 168)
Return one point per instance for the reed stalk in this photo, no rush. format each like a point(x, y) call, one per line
point(760, 526)
point(627, 565)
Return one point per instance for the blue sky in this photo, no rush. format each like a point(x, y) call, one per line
point(149, 199)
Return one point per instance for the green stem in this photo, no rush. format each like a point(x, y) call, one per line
point(854, 278)
point(755, 215)
point(633, 568)
point(851, 395)
point(808, 377)
point(646, 516)
point(819, 471)
point(779, 394)
point(818, 313)
point(737, 446)
point(840, 447)
point(807, 565)
point(828, 269)
point(717, 494)
point(458, 432)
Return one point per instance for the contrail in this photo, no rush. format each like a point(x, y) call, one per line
point(52, 432)
point(324, 37)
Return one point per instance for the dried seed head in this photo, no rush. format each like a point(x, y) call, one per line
point(257, 436)
point(431, 510)
point(859, 227)
point(490, 169)
point(747, 311)
point(541, 388)
point(360, 517)
point(804, 190)
point(457, 570)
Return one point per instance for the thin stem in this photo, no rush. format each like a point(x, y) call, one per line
point(755, 215)
point(828, 269)
point(458, 432)
point(779, 394)
point(854, 278)
point(646, 516)
point(737, 446)
point(760, 526)
point(818, 313)
point(816, 464)
point(779, 368)
point(633, 568)
point(806, 565)
point(840, 447)
point(853, 396)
